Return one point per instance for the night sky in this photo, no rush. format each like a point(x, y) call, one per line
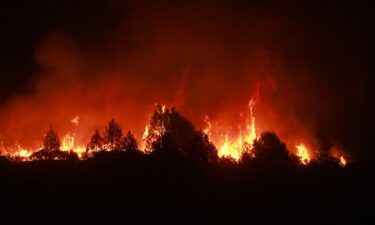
point(104, 59)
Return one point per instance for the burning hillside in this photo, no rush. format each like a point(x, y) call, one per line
point(206, 59)
point(194, 112)
point(166, 128)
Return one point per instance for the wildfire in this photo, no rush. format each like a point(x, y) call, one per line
point(342, 161)
point(252, 134)
point(144, 137)
point(24, 153)
point(21, 154)
point(208, 128)
point(232, 150)
point(235, 149)
point(229, 145)
point(303, 154)
point(68, 145)
point(150, 136)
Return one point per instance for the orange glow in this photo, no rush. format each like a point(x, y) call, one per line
point(232, 150)
point(303, 154)
point(68, 145)
point(77, 95)
point(144, 137)
point(236, 147)
point(75, 120)
point(151, 134)
point(208, 128)
point(229, 145)
point(343, 161)
point(22, 154)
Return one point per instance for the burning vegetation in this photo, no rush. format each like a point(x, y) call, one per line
point(168, 132)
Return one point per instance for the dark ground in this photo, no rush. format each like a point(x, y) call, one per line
point(147, 190)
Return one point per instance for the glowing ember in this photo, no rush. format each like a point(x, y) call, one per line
point(75, 120)
point(303, 154)
point(342, 161)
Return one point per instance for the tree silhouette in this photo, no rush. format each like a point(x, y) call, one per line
point(269, 149)
point(170, 134)
point(202, 149)
point(169, 126)
point(158, 123)
point(51, 141)
point(129, 142)
point(113, 136)
point(54, 155)
point(96, 142)
point(323, 159)
point(51, 149)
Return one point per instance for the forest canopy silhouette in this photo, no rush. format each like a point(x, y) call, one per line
point(214, 108)
point(179, 171)
point(171, 136)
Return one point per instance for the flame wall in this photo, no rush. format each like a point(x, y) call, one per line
point(103, 60)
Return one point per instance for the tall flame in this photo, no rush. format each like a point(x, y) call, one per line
point(252, 133)
point(144, 137)
point(235, 149)
point(68, 145)
point(303, 154)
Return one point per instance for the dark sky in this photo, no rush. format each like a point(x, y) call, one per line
point(313, 62)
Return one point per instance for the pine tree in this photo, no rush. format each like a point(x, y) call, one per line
point(51, 141)
point(130, 143)
point(96, 142)
point(113, 136)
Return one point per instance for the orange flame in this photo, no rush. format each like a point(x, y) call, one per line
point(68, 145)
point(343, 161)
point(235, 149)
point(144, 137)
point(75, 120)
point(303, 154)
point(21, 154)
point(157, 132)
point(230, 147)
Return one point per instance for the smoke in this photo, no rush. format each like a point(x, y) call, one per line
point(204, 58)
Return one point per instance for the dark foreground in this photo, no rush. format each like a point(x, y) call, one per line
point(144, 190)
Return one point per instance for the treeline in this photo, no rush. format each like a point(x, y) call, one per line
point(171, 136)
